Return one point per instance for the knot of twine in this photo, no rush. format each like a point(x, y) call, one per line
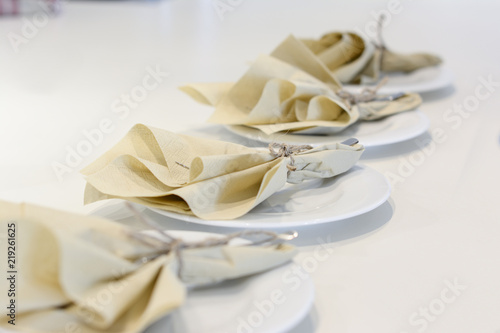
point(171, 244)
point(366, 95)
point(283, 150)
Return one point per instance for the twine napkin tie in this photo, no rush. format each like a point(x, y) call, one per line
point(285, 150)
point(366, 95)
point(170, 244)
point(379, 43)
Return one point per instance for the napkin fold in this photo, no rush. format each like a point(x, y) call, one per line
point(84, 274)
point(350, 57)
point(293, 95)
point(207, 178)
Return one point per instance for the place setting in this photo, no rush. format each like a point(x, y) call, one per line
point(327, 90)
point(225, 184)
point(97, 275)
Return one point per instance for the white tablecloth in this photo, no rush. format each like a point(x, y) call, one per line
point(425, 261)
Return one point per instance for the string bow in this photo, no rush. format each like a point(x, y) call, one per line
point(366, 95)
point(169, 244)
point(278, 150)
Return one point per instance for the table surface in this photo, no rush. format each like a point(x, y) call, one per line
point(426, 260)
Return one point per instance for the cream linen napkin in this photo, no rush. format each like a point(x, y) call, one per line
point(295, 95)
point(207, 178)
point(82, 274)
point(350, 57)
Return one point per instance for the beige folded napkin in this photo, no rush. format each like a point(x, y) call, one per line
point(293, 96)
point(88, 274)
point(350, 57)
point(207, 178)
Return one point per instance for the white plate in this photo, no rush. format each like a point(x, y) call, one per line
point(419, 81)
point(355, 192)
point(396, 128)
point(228, 306)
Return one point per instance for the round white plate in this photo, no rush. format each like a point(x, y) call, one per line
point(396, 128)
point(355, 192)
point(419, 81)
point(242, 305)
